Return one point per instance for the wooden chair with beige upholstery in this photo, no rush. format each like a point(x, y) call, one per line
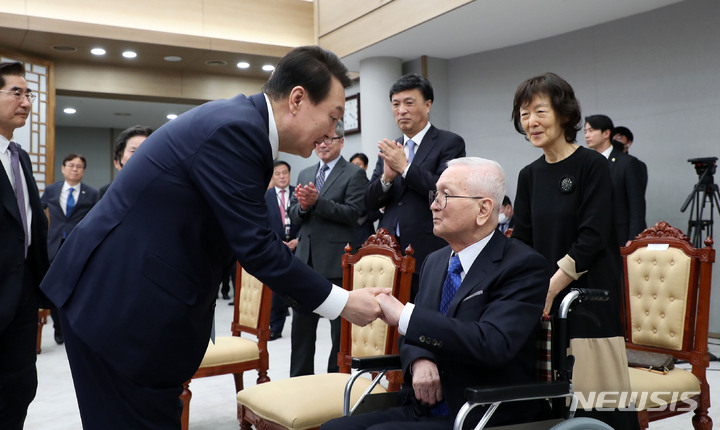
point(42, 320)
point(667, 303)
point(306, 402)
point(234, 354)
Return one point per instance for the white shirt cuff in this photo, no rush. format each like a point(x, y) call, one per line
point(404, 173)
point(405, 318)
point(334, 303)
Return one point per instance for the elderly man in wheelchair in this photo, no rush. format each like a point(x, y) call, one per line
point(476, 318)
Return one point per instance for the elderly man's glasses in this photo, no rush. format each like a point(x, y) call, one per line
point(441, 199)
point(19, 94)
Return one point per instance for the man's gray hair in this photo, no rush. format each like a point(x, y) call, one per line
point(487, 178)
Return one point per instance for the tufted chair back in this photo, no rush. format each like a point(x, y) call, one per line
point(378, 263)
point(667, 307)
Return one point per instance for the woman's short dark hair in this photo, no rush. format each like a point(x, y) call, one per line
point(562, 99)
point(310, 67)
point(71, 157)
point(411, 82)
point(127, 134)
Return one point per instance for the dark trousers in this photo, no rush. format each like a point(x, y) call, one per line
point(302, 342)
point(278, 313)
point(18, 375)
point(108, 400)
point(400, 417)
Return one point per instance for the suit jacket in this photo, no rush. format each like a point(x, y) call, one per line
point(138, 278)
point(329, 225)
point(628, 196)
point(275, 221)
point(12, 245)
point(406, 201)
point(60, 225)
point(488, 335)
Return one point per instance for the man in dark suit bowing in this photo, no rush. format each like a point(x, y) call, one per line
point(475, 316)
point(67, 203)
point(23, 253)
point(408, 168)
point(190, 202)
point(327, 204)
point(277, 199)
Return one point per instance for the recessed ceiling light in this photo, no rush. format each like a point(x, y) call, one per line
point(171, 116)
point(129, 54)
point(243, 65)
point(216, 63)
point(64, 48)
point(97, 51)
point(268, 67)
point(172, 58)
point(69, 110)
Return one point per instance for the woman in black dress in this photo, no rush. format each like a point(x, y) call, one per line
point(563, 209)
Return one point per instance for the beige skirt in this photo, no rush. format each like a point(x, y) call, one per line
point(600, 374)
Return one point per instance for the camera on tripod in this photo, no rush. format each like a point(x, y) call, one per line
point(705, 167)
point(704, 192)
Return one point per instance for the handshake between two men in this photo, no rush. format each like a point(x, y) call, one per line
point(368, 304)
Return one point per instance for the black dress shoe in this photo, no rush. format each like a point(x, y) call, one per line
point(226, 296)
point(275, 335)
point(59, 339)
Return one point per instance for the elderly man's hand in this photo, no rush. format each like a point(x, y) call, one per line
point(362, 307)
point(391, 308)
point(426, 381)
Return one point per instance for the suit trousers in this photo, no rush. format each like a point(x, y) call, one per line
point(302, 341)
point(108, 400)
point(399, 417)
point(18, 374)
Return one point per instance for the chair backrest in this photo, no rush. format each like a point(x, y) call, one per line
point(252, 306)
point(667, 294)
point(378, 263)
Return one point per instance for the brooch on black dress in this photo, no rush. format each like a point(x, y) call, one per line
point(567, 184)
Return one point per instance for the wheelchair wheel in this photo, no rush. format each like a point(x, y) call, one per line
point(582, 424)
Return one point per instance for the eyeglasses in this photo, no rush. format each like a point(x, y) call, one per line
point(441, 199)
point(74, 166)
point(327, 140)
point(19, 94)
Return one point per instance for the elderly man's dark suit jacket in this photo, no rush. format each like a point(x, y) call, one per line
point(628, 196)
point(327, 227)
point(488, 335)
point(277, 225)
point(61, 225)
point(138, 278)
point(407, 200)
point(12, 247)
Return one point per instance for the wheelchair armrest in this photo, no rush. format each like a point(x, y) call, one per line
point(506, 393)
point(377, 363)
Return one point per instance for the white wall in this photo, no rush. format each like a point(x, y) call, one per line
point(657, 73)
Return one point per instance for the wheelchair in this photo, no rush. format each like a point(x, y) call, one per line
point(559, 390)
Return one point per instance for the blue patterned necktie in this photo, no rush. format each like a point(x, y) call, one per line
point(19, 191)
point(70, 203)
point(320, 180)
point(411, 150)
point(452, 283)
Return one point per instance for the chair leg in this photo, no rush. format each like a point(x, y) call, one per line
point(701, 420)
point(262, 376)
point(185, 398)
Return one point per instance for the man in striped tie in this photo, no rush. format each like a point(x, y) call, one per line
point(23, 253)
point(478, 306)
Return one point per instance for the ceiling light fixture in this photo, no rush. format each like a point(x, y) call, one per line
point(171, 116)
point(129, 54)
point(69, 110)
point(268, 67)
point(97, 51)
point(172, 58)
point(243, 65)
